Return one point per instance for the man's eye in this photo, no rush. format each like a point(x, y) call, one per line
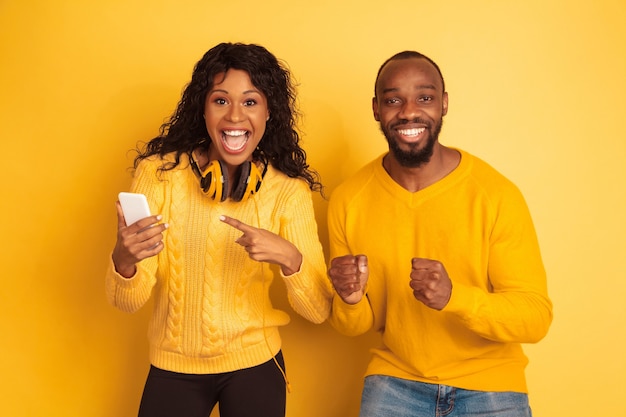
point(392, 101)
point(426, 99)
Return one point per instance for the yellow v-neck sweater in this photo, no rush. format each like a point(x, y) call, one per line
point(477, 224)
point(212, 311)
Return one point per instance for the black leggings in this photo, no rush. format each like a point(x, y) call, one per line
point(251, 392)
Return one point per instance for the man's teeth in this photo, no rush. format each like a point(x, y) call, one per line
point(235, 139)
point(411, 132)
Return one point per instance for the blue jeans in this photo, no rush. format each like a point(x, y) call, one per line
point(384, 396)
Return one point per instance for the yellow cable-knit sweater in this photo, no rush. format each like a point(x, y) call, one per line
point(212, 311)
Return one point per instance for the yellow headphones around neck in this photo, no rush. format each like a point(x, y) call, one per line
point(214, 179)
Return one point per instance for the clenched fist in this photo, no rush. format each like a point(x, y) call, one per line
point(430, 283)
point(349, 276)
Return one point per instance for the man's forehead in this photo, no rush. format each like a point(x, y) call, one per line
point(421, 69)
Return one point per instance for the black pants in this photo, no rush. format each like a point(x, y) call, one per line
point(252, 392)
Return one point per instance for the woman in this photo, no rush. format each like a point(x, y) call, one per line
point(232, 190)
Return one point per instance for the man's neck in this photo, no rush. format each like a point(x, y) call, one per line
point(443, 161)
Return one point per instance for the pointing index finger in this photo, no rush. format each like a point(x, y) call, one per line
point(237, 224)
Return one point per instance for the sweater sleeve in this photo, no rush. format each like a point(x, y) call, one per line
point(517, 308)
point(351, 320)
point(130, 294)
point(308, 290)
point(347, 319)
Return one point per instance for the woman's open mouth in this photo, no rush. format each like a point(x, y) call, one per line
point(235, 140)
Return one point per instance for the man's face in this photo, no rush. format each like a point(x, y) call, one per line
point(410, 104)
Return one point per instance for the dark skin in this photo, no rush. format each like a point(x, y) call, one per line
point(430, 283)
point(145, 238)
point(409, 101)
point(233, 104)
point(265, 246)
point(349, 276)
point(138, 241)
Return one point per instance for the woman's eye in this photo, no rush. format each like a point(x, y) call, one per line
point(220, 101)
point(250, 102)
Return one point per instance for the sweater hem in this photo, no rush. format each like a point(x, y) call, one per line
point(503, 377)
point(225, 362)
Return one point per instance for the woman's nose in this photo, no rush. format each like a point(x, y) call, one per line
point(235, 113)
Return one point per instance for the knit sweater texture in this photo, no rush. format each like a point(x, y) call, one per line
point(212, 312)
point(477, 224)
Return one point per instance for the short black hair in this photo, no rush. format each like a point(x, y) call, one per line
point(408, 55)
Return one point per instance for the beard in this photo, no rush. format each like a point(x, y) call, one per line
point(414, 157)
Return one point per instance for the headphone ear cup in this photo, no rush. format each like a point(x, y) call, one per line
point(239, 191)
point(213, 181)
point(223, 181)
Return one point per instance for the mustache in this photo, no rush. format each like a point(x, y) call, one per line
point(403, 122)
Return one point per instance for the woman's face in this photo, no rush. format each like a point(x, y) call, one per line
point(235, 113)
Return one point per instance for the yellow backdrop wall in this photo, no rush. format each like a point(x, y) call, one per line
point(537, 88)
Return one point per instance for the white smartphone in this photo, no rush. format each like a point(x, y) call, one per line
point(135, 207)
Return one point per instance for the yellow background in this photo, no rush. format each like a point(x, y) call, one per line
point(537, 88)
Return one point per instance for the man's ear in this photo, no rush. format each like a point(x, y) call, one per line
point(375, 109)
point(445, 104)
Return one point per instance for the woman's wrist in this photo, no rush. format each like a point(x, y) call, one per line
point(127, 271)
point(293, 264)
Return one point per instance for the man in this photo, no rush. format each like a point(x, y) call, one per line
point(436, 250)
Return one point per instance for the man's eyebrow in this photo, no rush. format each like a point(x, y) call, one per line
point(419, 87)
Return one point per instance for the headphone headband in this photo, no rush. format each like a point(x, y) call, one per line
point(214, 179)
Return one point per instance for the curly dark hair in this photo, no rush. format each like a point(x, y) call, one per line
point(186, 130)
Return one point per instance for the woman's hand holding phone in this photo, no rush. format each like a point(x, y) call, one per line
point(139, 240)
